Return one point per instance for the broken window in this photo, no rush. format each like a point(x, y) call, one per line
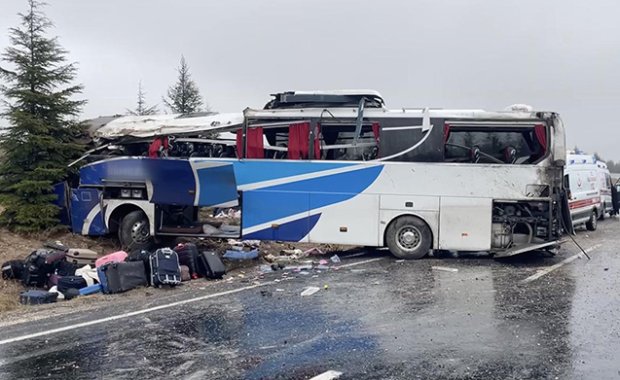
point(501, 145)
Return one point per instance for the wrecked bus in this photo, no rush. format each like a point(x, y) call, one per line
point(338, 167)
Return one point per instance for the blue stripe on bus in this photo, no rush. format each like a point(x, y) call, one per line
point(275, 202)
point(247, 172)
point(290, 231)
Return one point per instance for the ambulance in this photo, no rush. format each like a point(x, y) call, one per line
point(589, 184)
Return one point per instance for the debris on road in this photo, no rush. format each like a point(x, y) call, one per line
point(241, 255)
point(335, 259)
point(313, 252)
point(309, 291)
point(445, 269)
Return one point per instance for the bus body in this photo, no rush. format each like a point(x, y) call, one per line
point(340, 168)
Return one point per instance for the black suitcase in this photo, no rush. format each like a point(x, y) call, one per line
point(165, 267)
point(37, 297)
point(210, 265)
point(66, 268)
point(13, 270)
point(188, 255)
point(144, 257)
point(36, 270)
point(71, 282)
point(121, 277)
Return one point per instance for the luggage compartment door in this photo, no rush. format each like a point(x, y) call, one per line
point(465, 223)
point(215, 184)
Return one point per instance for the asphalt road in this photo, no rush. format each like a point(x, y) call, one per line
point(530, 317)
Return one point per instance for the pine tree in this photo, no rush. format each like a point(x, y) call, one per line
point(141, 108)
point(184, 97)
point(43, 127)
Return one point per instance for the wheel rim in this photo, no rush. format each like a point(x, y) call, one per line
point(140, 232)
point(408, 238)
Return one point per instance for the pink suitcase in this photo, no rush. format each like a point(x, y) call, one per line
point(115, 257)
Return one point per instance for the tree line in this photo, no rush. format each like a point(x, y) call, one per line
point(45, 133)
point(182, 97)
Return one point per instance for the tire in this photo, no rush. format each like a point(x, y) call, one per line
point(134, 231)
point(408, 237)
point(592, 223)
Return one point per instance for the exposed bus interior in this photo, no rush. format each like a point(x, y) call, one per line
point(198, 221)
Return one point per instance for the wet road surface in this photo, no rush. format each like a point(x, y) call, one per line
point(378, 319)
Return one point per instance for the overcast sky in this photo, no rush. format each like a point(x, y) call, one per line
point(559, 55)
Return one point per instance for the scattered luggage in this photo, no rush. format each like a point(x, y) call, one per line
point(13, 270)
point(35, 269)
point(144, 257)
point(121, 277)
point(70, 282)
point(188, 255)
point(92, 289)
point(55, 245)
point(54, 258)
point(52, 280)
point(165, 268)
point(37, 297)
point(233, 254)
point(210, 265)
point(114, 257)
point(71, 293)
point(88, 273)
point(81, 256)
point(185, 275)
point(66, 268)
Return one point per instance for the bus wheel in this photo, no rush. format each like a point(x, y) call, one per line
point(134, 232)
point(592, 222)
point(409, 237)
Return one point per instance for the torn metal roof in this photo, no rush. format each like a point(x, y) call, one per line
point(172, 124)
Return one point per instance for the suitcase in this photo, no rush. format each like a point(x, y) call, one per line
point(52, 280)
point(210, 265)
point(144, 257)
point(54, 258)
point(81, 256)
point(114, 257)
point(13, 270)
point(71, 282)
point(188, 255)
point(66, 268)
point(185, 275)
point(165, 268)
point(121, 277)
point(35, 270)
point(37, 297)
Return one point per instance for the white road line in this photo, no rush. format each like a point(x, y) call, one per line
point(155, 308)
point(558, 265)
point(328, 375)
point(361, 262)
